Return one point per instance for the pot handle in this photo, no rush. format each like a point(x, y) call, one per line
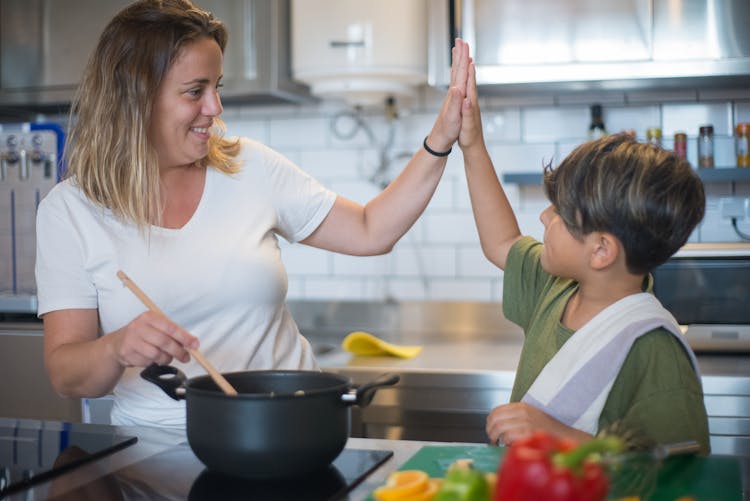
point(170, 379)
point(362, 396)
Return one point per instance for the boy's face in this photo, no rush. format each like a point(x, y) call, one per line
point(562, 254)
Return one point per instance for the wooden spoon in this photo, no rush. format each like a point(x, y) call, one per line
point(215, 375)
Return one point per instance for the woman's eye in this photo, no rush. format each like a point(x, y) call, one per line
point(196, 92)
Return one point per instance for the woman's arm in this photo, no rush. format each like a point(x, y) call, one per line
point(80, 363)
point(494, 217)
point(351, 228)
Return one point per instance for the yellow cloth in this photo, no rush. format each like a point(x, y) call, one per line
point(365, 344)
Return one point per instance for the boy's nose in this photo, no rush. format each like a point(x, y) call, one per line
point(544, 216)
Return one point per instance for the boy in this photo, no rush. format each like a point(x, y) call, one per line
point(599, 350)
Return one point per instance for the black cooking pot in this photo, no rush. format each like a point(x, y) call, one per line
point(281, 424)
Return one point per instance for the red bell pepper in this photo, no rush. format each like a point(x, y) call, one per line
point(542, 466)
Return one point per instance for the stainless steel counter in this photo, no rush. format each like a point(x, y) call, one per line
point(467, 366)
point(470, 353)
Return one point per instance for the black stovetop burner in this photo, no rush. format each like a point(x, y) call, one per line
point(32, 452)
point(348, 470)
point(176, 473)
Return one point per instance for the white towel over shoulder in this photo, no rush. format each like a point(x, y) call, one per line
point(574, 385)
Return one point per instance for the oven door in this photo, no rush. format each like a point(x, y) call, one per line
point(709, 295)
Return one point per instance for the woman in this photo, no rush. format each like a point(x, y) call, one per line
point(154, 190)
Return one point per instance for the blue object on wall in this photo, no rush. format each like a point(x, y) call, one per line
point(57, 129)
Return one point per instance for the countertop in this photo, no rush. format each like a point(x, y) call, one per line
point(161, 479)
point(154, 482)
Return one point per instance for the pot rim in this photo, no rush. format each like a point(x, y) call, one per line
point(342, 387)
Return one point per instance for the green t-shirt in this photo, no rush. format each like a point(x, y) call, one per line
point(656, 395)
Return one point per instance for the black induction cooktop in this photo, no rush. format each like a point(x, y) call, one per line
point(176, 473)
point(347, 470)
point(32, 452)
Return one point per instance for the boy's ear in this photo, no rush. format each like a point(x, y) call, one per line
point(605, 250)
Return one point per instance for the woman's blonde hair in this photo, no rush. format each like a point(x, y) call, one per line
point(108, 151)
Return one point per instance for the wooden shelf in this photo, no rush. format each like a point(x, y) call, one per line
point(717, 175)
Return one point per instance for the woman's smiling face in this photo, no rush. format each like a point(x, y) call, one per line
point(186, 103)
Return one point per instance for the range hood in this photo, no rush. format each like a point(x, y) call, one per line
point(45, 44)
point(591, 44)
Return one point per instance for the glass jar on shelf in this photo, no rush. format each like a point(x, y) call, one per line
point(742, 144)
point(653, 136)
point(706, 147)
point(680, 144)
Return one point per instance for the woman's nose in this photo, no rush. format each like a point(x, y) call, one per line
point(212, 105)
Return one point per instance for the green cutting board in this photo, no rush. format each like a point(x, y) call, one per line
point(715, 478)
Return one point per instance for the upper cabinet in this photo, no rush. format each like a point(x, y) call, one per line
point(581, 44)
point(45, 44)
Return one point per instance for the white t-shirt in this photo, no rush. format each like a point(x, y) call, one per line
point(220, 276)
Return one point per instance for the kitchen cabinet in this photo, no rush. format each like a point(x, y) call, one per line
point(27, 391)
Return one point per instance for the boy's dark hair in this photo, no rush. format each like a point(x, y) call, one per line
point(646, 196)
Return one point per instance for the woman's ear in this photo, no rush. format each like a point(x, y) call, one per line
point(605, 250)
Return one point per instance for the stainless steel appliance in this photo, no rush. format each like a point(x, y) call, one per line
point(707, 289)
point(44, 46)
point(582, 44)
point(29, 168)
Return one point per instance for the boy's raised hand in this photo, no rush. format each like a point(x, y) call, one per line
point(446, 129)
point(471, 120)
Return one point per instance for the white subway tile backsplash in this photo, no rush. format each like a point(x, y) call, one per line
point(440, 257)
point(344, 288)
point(724, 153)
point(716, 229)
point(531, 225)
point(521, 157)
point(361, 266)
point(502, 125)
point(358, 190)
point(466, 289)
point(256, 129)
point(688, 117)
point(351, 130)
point(299, 133)
point(295, 288)
point(551, 124)
point(632, 117)
point(472, 263)
point(328, 165)
point(407, 289)
point(457, 228)
point(424, 261)
point(302, 259)
point(444, 196)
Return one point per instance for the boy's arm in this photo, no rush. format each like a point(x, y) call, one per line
point(495, 220)
point(510, 422)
